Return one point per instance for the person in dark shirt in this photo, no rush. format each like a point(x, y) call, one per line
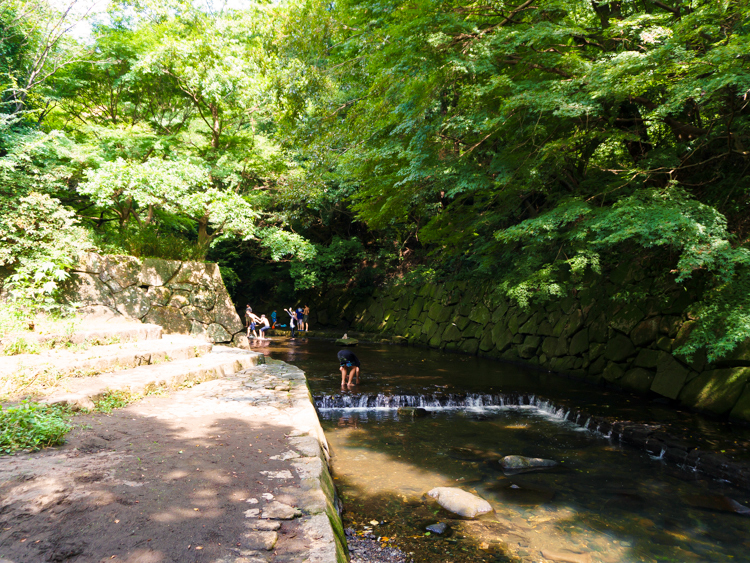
point(348, 361)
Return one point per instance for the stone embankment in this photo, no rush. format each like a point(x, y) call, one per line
point(181, 297)
point(592, 334)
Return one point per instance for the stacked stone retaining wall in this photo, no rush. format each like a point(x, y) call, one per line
point(597, 334)
point(182, 297)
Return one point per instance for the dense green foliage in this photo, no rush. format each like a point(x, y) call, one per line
point(539, 139)
point(306, 145)
point(32, 426)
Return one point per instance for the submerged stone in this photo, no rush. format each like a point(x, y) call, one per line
point(438, 528)
point(719, 503)
point(460, 502)
point(416, 412)
point(519, 463)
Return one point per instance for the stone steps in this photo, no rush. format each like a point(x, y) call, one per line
point(125, 332)
point(100, 359)
point(81, 393)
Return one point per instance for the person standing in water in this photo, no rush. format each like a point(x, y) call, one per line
point(292, 317)
point(348, 361)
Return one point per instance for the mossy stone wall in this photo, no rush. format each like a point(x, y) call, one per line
point(594, 334)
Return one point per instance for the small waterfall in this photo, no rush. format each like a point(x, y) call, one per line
point(435, 401)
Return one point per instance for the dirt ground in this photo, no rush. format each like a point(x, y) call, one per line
point(131, 487)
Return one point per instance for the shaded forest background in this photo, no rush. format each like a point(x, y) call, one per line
point(309, 145)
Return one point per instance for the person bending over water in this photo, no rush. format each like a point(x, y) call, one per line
point(348, 361)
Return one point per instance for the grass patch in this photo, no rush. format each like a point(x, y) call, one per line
point(32, 426)
point(115, 400)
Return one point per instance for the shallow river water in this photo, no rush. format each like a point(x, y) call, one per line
point(602, 503)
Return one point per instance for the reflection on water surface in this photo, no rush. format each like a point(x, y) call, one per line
point(602, 503)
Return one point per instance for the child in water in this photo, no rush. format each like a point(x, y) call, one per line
point(348, 361)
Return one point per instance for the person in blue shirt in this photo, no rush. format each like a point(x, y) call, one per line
point(273, 319)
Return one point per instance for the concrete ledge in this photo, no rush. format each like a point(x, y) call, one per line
point(101, 359)
point(83, 392)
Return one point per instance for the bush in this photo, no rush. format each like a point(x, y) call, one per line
point(150, 242)
point(32, 426)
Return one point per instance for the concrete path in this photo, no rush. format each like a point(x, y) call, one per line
point(237, 469)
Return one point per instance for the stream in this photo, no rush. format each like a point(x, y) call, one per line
point(603, 502)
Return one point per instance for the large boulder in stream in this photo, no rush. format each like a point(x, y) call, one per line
point(460, 502)
point(519, 463)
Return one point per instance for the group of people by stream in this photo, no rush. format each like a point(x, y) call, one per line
point(258, 325)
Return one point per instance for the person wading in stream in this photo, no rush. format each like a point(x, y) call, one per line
point(348, 361)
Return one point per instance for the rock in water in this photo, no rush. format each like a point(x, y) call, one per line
point(719, 503)
point(519, 463)
point(460, 502)
point(347, 341)
point(438, 528)
point(416, 412)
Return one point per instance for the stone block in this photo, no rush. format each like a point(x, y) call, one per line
point(155, 271)
point(562, 347)
point(596, 349)
point(486, 343)
point(665, 344)
point(531, 326)
point(529, 347)
point(198, 330)
point(502, 337)
point(480, 314)
point(434, 311)
point(462, 322)
point(203, 297)
point(416, 309)
point(613, 372)
point(716, 391)
point(470, 346)
point(513, 324)
point(598, 329)
point(499, 312)
point(429, 327)
point(597, 366)
point(197, 314)
point(579, 343)
point(464, 308)
point(86, 289)
point(645, 332)
point(445, 314)
point(179, 299)
point(133, 302)
point(217, 333)
point(619, 348)
point(90, 263)
point(637, 379)
point(225, 313)
point(125, 270)
point(159, 295)
point(741, 410)
point(170, 319)
point(518, 338)
point(574, 323)
point(563, 364)
point(626, 318)
point(670, 376)
point(549, 345)
point(545, 328)
point(451, 334)
point(683, 334)
point(670, 326)
point(647, 358)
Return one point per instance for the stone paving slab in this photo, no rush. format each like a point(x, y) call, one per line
point(276, 393)
point(100, 359)
point(222, 361)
